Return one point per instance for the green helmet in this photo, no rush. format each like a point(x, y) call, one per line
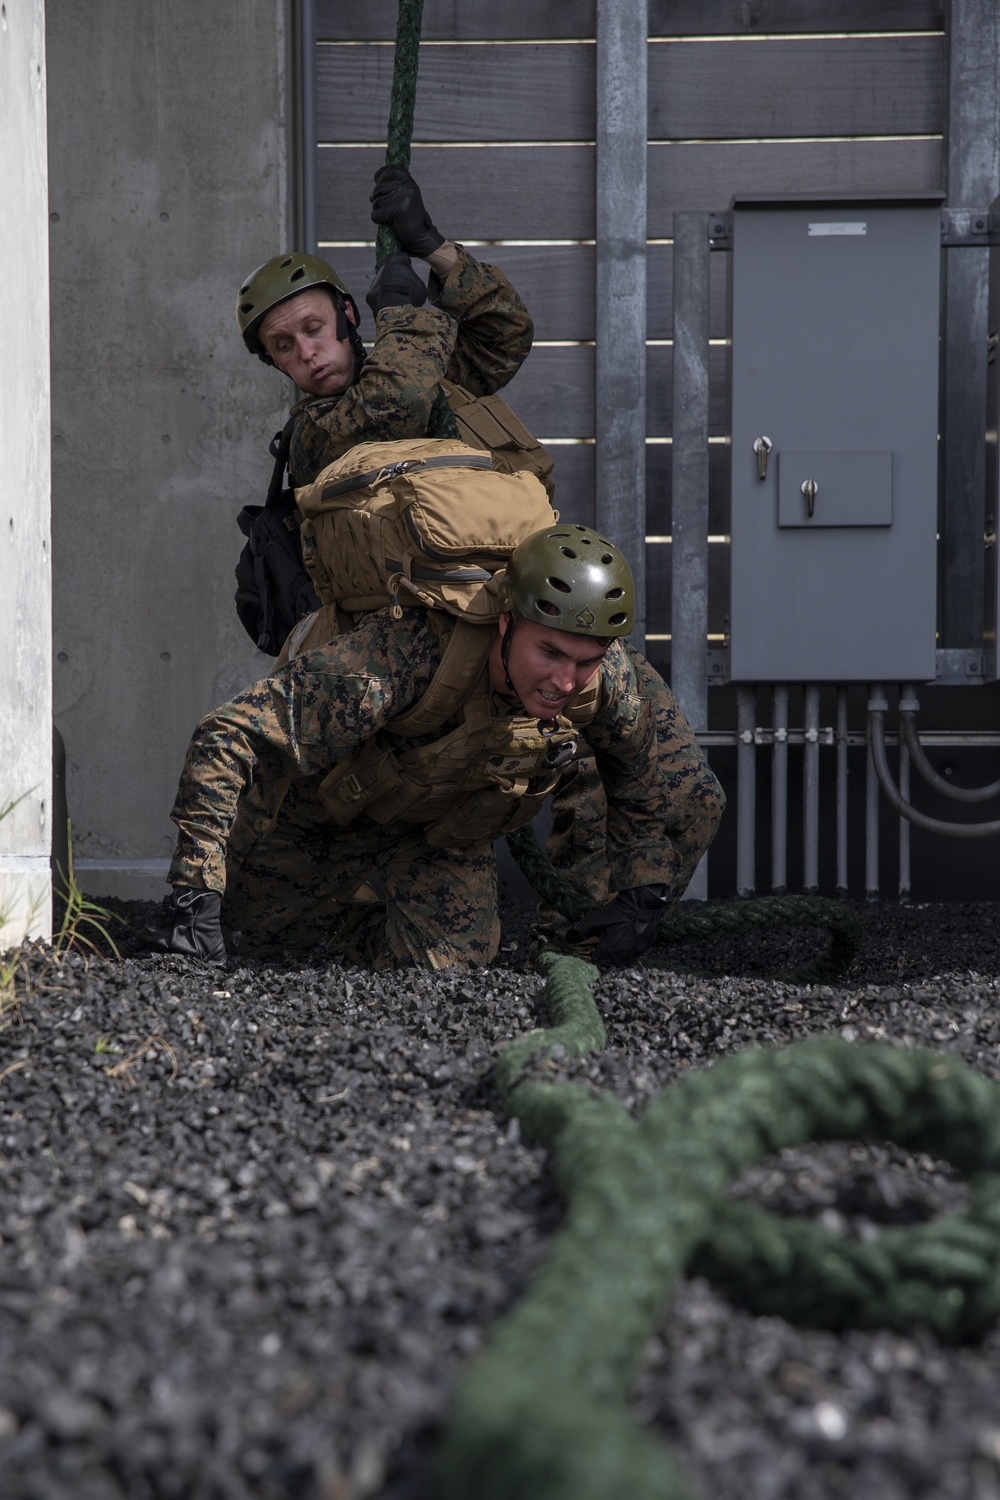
point(571, 578)
point(279, 278)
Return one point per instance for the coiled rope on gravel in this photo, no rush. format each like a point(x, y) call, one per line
point(757, 913)
point(543, 1410)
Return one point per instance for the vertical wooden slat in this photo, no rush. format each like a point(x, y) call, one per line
point(973, 170)
point(621, 284)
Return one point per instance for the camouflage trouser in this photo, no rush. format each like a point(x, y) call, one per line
point(293, 888)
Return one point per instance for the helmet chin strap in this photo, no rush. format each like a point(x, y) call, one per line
point(505, 640)
point(343, 327)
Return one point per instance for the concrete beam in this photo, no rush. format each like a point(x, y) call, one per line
point(25, 587)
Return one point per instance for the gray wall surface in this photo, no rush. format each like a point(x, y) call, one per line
point(25, 699)
point(168, 183)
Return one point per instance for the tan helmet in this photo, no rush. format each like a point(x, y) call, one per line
point(571, 578)
point(278, 279)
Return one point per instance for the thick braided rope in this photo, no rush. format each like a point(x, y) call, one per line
point(679, 925)
point(401, 106)
point(397, 153)
point(543, 1411)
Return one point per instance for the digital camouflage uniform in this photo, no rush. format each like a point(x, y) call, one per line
point(289, 872)
point(477, 334)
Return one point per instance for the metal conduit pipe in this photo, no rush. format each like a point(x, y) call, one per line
point(871, 825)
point(746, 790)
point(904, 826)
point(909, 707)
point(779, 792)
point(810, 791)
point(877, 707)
point(842, 789)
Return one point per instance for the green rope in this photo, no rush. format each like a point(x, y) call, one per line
point(442, 422)
point(846, 932)
point(543, 1410)
point(401, 106)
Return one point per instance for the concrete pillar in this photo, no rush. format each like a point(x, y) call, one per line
point(168, 185)
point(25, 593)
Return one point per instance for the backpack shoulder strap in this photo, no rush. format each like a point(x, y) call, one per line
point(462, 662)
point(278, 448)
point(488, 422)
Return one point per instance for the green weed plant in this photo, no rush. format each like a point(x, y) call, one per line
point(81, 922)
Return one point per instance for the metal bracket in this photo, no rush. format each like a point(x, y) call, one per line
point(958, 668)
point(825, 735)
point(720, 231)
point(967, 226)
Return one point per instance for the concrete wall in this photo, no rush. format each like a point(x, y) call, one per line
point(168, 183)
point(25, 681)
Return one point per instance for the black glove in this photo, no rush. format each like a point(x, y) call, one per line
point(396, 201)
point(396, 284)
point(624, 927)
point(188, 922)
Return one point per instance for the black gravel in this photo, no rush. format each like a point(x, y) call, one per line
point(254, 1222)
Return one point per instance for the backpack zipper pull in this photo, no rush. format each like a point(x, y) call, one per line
point(393, 471)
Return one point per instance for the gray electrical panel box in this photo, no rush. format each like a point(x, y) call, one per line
point(992, 551)
point(834, 405)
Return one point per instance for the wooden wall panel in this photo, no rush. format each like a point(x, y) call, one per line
point(764, 17)
point(815, 87)
point(484, 20)
point(519, 92)
point(463, 20)
point(546, 192)
point(707, 176)
point(489, 193)
point(697, 90)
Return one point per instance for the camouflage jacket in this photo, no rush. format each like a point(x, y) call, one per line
point(474, 331)
point(307, 715)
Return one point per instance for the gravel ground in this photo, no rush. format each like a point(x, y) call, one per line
point(255, 1221)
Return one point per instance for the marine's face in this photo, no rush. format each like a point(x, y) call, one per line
point(300, 335)
point(547, 667)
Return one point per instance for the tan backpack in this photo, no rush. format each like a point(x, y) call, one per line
point(426, 521)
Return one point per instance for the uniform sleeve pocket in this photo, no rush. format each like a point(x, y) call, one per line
point(338, 711)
